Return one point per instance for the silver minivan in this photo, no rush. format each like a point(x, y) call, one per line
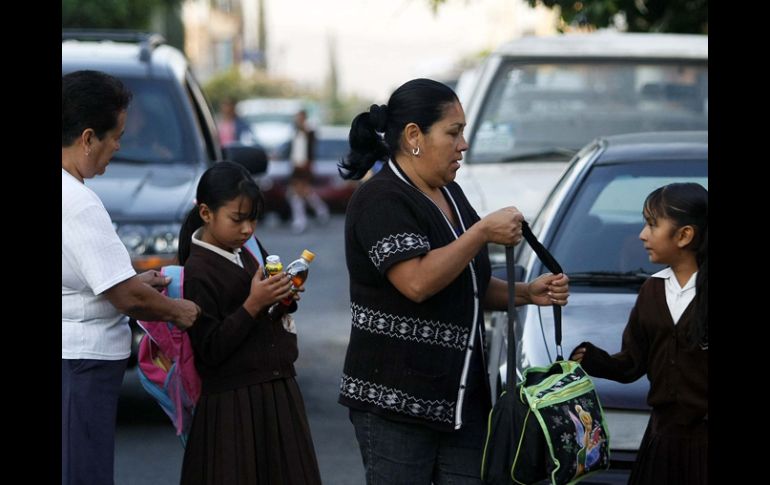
point(540, 99)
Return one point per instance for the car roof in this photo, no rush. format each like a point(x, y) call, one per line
point(123, 59)
point(608, 44)
point(269, 105)
point(654, 146)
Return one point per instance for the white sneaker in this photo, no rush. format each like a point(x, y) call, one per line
point(298, 226)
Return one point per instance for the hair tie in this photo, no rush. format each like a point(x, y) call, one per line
point(378, 114)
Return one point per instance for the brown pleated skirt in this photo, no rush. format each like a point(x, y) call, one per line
point(672, 454)
point(252, 435)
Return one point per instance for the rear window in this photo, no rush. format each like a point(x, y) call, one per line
point(534, 107)
point(156, 128)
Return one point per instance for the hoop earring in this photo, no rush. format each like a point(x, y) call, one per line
point(416, 151)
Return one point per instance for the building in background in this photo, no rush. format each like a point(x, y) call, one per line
point(374, 40)
point(213, 35)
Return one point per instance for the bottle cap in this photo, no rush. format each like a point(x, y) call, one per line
point(273, 259)
point(308, 255)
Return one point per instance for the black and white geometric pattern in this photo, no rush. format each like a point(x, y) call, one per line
point(412, 329)
point(396, 243)
point(396, 400)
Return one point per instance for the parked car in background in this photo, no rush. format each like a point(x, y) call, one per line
point(331, 146)
point(538, 100)
point(591, 223)
point(169, 140)
point(272, 119)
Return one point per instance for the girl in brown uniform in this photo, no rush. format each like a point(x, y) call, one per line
point(250, 425)
point(667, 338)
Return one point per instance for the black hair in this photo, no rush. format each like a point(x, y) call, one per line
point(90, 99)
point(419, 101)
point(688, 204)
point(218, 185)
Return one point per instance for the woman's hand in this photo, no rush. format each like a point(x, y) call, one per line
point(154, 278)
point(549, 289)
point(503, 226)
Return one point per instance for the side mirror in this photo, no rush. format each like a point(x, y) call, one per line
point(252, 157)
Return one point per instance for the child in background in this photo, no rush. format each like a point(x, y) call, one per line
point(666, 338)
point(250, 425)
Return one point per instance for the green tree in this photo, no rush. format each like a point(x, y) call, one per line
point(678, 16)
point(160, 15)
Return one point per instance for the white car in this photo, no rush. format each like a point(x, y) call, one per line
point(537, 100)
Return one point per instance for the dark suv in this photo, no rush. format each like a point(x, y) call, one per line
point(169, 140)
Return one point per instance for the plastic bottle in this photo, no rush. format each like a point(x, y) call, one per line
point(273, 265)
point(297, 271)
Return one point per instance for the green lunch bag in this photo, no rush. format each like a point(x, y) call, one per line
point(551, 425)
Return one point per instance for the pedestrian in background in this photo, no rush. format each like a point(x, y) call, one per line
point(99, 284)
point(300, 190)
point(231, 127)
point(666, 338)
point(420, 280)
point(250, 425)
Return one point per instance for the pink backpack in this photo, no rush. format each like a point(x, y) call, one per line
point(166, 361)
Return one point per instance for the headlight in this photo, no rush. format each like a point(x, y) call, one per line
point(151, 239)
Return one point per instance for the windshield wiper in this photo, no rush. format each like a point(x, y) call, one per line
point(541, 153)
point(121, 158)
point(605, 278)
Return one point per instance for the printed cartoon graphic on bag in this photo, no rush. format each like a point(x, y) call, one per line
point(550, 426)
point(166, 366)
point(563, 400)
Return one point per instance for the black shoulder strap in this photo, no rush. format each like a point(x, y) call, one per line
point(554, 267)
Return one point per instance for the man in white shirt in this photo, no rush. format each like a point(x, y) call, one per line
point(99, 284)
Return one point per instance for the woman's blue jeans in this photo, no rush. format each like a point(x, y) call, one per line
point(397, 453)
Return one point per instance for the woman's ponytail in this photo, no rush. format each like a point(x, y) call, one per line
point(366, 145)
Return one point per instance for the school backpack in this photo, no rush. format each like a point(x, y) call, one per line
point(166, 365)
point(550, 426)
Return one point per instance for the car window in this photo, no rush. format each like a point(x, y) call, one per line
point(331, 149)
point(600, 230)
point(545, 106)
point(155, 131)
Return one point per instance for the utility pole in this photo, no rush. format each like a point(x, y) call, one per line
point(262, 35)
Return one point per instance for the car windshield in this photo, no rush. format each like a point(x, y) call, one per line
point(598, 238)
point(155, 129)
point(556, 108)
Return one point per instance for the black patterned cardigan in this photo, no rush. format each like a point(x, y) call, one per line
point(408, 361)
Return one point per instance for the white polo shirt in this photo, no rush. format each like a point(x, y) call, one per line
point(677, 297)
point(93, 259)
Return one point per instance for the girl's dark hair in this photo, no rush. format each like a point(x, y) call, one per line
point(419, 101)
point(218, 185)
point(90, 99)
point(688, 204)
